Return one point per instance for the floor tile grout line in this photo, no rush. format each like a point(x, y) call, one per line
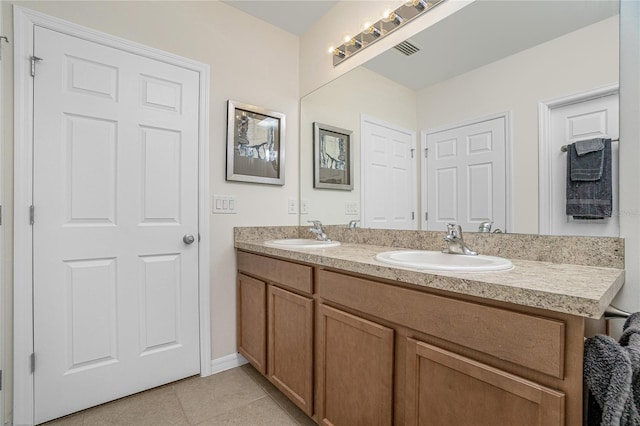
point(184, 412)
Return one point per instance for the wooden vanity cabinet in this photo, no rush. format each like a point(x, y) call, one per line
point(371, 352)
point(275, 323)
point(252, 321)
point(355, 370)
point(444, 388)
point(290, 345)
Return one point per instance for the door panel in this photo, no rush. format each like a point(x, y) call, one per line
point(465, 181)
point(578, 121)
point(355, 369)
point(252, 321)
point(115, 189)
point(447, 389)
point(290, 345)
point(389, 179)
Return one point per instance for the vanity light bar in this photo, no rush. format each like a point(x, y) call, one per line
point(392, 21)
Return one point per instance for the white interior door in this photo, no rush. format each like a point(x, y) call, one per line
point(115, 189)
point(465, 175)
point(389, 195)
point(586, 119)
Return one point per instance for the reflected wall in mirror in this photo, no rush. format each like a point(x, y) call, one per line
point(491, 57)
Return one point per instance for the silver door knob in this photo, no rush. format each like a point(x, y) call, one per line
point(188, 239)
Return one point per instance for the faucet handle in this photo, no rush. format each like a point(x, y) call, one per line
point(316, 223)
point(454, 231)
point(485, 226)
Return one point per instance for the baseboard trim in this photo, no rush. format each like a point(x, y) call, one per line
point(228, 362)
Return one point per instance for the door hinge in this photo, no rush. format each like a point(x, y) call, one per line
point(426, 215)
point(426, 153)
point(412, 151)
point(413, 215)
point(33, 363)
point(6, 41)
point(32, 215)
point(34, 59)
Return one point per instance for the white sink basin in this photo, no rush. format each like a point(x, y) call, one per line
point(437, 261)
point(297, 243)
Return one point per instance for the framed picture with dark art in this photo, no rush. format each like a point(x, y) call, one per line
point(255, 144)
point(332, 157)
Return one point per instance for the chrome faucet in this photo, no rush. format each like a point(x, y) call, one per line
point(455, 242)
point(319, 231)
point(353, 224)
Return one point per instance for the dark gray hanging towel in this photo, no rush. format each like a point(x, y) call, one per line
point(589, 190)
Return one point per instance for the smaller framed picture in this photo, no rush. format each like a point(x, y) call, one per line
point(332, 157)
point(255, 144)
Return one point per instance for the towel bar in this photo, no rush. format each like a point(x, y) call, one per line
point(565, 148)
point(613, 312)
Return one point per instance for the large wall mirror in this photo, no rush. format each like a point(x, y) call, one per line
point(491, 60)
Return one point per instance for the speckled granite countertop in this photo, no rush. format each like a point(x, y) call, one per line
point(569, 288)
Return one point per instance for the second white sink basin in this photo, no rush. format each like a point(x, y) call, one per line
point(438, 261)
point(296, 243)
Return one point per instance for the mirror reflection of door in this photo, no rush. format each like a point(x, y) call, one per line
point(388, 176)
point(574, 118)
point(465, 175)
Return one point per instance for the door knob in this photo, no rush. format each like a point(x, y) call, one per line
point(188, 239)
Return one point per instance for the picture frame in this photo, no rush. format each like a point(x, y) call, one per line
point(332, 157)
point(255, 144)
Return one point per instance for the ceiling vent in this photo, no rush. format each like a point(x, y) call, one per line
point(407, 48)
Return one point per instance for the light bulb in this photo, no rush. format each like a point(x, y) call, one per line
point(373, 31)
point(331, 49)
point(419, 4)
point(395, 18)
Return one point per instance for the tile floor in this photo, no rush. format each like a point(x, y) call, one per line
point(240, 396)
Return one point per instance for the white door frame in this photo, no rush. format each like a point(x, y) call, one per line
point(508, 163)
point(24, 22)
point(545, 150)
point(4, 304)
point(364, 118)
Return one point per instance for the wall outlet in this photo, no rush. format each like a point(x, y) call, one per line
point(304, 206)
point(351, 208)
point(224, 204)
point(292, 206)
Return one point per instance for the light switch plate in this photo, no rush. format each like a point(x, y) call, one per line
point(224, 204)
point(292, 206)
point(351, 208)
point(304, 206)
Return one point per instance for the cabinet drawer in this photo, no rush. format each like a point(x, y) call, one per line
point(293, 275)
point(533, 342)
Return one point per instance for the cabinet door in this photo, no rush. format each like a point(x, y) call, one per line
point(290, 346)
point(355, 366)
point(252, 321)
point(446, 389)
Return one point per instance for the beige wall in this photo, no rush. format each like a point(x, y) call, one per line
point(251, 61)
point(341, 103)
point(582, 60)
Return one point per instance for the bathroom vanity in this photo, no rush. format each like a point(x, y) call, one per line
point(353, 341)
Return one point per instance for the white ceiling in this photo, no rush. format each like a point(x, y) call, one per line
point(484, 32)
point(294, 16)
